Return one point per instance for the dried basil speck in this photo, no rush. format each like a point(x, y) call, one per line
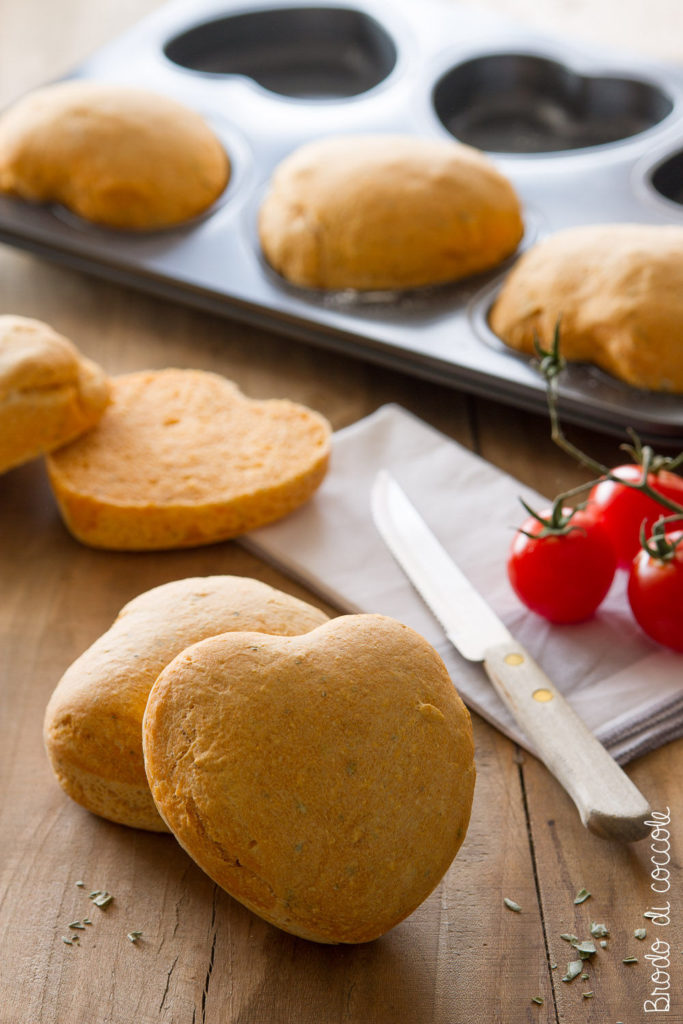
point(599, 931)
point(603, 944)
point(640, 933)
point(585, 949)
point(630, 960)
point(103, 899)
point(587, 995)
point(574, 968)
point(79, 884)
point(134, 936)
point(77, 924)
point(581, 896)
point(538, 1000)
point(511, 905)
point(569, 938)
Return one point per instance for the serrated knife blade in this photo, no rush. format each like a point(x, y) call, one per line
point(608, 802)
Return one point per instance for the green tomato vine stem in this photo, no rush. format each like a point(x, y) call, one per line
point(551, 363)
point(661, 546)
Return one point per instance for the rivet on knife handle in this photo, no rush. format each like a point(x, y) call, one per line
point(608, 802)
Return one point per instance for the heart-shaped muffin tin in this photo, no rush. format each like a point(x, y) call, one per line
point(521, 103)
point(584, 136)
point(303, 52)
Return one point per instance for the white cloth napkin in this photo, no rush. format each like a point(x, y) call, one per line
point(628, 690)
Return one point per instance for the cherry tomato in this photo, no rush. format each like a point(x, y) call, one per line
point(621, 510)
point(562, 577)
point(655, 593)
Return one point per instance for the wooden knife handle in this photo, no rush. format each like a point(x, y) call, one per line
point(608, 802)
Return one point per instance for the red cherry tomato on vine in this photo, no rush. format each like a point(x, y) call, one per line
point(562, 577)
point(621, 510)
point(655, 593)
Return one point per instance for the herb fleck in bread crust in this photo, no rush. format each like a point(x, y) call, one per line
point(93, 722)
point(115, 155)
point(49, 393)
point(183, 458)
point(325, 781)
point(387, 212)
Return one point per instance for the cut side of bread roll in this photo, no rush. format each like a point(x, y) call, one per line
point(616, 291)
point(392, 212)
point(93, 722)
point(183, 458)
point(49, 392)
point(118, 156)
point(325, 781)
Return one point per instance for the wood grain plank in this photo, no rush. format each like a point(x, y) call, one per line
point(619, 878)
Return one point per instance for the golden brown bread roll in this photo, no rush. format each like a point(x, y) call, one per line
point(325, 781)
point(49, 393)
point(617, 290)
point(387, 212)
point(182, 458)
point(93, 722)
point(115, 155)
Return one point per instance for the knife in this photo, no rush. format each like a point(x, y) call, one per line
point(608, 802)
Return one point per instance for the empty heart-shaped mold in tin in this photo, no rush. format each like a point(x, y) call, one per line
point(524, 103)
point(302, 52)
point(667, 178)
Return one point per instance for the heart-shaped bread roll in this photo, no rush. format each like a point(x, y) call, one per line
point(118, 156)
point(387, 212)
point(93, 722)
point(49, 393)
point(616, 291)
point(182, 458)
point(325, 781)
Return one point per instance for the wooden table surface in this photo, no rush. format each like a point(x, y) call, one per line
point(461, 958)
